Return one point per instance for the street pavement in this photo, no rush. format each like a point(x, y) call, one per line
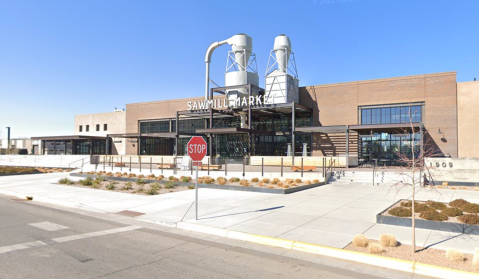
point(41, 241)
point(328, 215)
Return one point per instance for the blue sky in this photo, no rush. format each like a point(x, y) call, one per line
point(61, 58)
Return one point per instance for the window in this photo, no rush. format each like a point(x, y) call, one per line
point(87, 128)
point(97, 127)
point(391, 115)
point(81, 128)
point(105, 127)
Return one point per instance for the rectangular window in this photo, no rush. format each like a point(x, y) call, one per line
point(97, 127)
point(81, 128)
point(105, 127)
point(87, 128)
point(391, 115)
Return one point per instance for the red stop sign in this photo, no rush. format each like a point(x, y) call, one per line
point(197, 148)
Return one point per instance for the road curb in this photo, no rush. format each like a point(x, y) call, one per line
point(374, 260)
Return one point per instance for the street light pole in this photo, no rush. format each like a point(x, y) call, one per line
point(8, 137)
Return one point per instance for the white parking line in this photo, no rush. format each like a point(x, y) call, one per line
point(92, 234)
point(26, 245)
point(48, 226)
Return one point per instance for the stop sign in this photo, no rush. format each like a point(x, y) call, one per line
point(197, 148)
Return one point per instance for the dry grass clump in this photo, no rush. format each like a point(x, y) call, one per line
point(315, 180)
point(221, 181)
point(454, 255)
point(433, 215)
point(280, 184)
point(289, 181)
point(458, 203)
point(255, 180)
point(208, 180)
point(270, 186)
point(400, 212)
point(307, 182)
point(297, 180)
point(275, 181)
point(360, 240)
point(245, 183)
point(388, 240)
point(470, 208)
point(452, 212)
point(470, 219)
point(234, 179)
point(265, 180)
point(141, 176)
point(375, 248)
point(436, 205)
point(261, 184)
point(475, 259)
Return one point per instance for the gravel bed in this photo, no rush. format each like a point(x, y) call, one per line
point(416, 214)
point(427, 256)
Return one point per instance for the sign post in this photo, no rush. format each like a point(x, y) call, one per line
point(196, 150)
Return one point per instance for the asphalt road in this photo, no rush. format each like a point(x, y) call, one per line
point(38, 241)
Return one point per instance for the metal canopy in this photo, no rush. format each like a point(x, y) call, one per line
point(73, 137)
point(323, 129)
point(168, 135)
point(125, 136)
point(391, 128)
point(233, 130)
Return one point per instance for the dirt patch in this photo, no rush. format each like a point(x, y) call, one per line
point(426, 256)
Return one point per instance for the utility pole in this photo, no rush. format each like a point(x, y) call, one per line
point(8, 138)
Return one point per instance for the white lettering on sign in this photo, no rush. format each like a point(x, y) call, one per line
point(237, 102)
point(197, 148)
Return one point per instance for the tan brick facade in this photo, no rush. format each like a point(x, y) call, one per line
point(337, 104)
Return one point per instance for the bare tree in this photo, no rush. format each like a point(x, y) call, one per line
point(415, 169)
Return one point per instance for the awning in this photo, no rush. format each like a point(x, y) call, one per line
point(233, 130)
point(73, 137)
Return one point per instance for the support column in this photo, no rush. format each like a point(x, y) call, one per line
point(107, 146)
point(293, 128)
point(347, 146)
point(54, 147)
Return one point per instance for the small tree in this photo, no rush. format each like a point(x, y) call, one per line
point(415, 169)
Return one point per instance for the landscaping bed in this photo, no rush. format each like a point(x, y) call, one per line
point(11, 170)
point(273, 186)
point(458, 216)
point(423, 255)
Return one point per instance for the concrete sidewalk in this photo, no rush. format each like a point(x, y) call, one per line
point(329, 215)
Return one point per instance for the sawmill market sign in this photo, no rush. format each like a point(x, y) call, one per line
point(224, 103)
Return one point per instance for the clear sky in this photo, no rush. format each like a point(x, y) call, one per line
point(62, 58)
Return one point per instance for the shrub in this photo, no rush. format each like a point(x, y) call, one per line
point(185, 179)
point(222, 181)
point(111, 185)
point(433, 215)
point(270, 186)
point(170, 185)
point(275, 181)
point(470, 219)
point(141, 176)
point(454, 255)
point(234, 179)
point(375, 248)
point(161, 176)
point(436, 205)
point(408, 203)
point(261, 184)
point(297, 180)
point(307, 182)
point(265, 180)
point(280, 184)
point(244, 182)
point(141, 189)
point(420, 207)
point(452, 212)
point(87, 181)
point(171, 177)
point(255, 180)
point(475, 259)
point(101, 178)
point(458, 203)
point(151, 176)
point(388, 240)
point(400, 212)
point(125, 174)
point(207, 180)
point(316, 181)
point(66, 181)
point(470, 208)
point(153, 190)
point(360, 240)
point(128, 186)
point(96, 184)
point(141, 182)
